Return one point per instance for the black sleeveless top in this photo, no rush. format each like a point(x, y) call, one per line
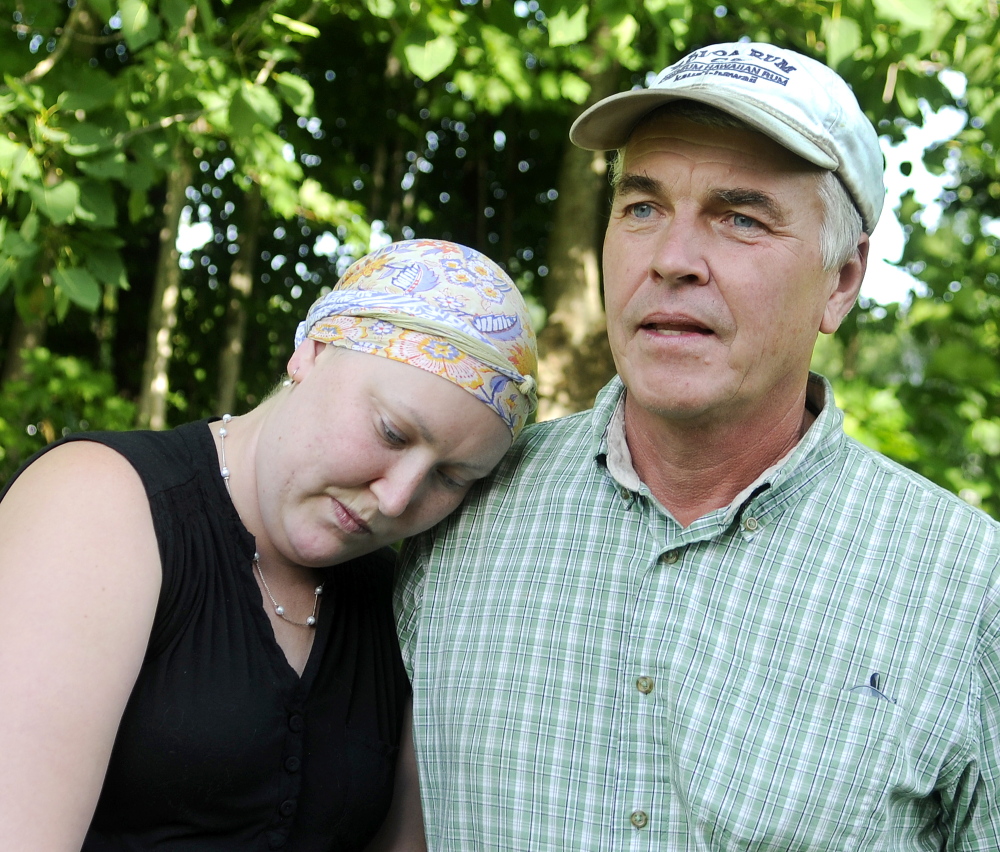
point(222, 746)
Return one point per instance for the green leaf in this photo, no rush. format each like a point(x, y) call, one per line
point(54, 135)
point(104, 9)
point(298, 94)
point(58, 203)
point(843, 37)
point(79, 285)
point(16, 245)
point(298, 27)
point(957, 362)
point(381, 8)
point(17, 164)
point(565, 29)
point(106, 265)
point(111, 167)
point(964, 10)
point(139, 25)
point(912, 15)
point(175, 12)
point(573, 88)
point(86, 139)
point(429, 59)
point(8, 102)
point(97, 206)
point(92, 89)
point(253, 105)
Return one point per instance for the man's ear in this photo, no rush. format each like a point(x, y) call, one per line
point(847, 283)
point(304, 358)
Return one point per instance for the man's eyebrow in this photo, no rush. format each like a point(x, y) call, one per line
point(641, 184)
point(752, 198)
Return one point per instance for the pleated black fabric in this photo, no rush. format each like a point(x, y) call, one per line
point(222, 746)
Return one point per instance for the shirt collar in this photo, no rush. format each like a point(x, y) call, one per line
point(784, 478)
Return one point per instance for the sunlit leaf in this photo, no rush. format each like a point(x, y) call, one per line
point(429, 59)
point(912, 15)
point(58, 203)
point(843, 37)
point(79, 285)
point(565, 29)
point(297, 93)
point(298, 27)
point(381, 8)
point(139, 25)
point(253, 105)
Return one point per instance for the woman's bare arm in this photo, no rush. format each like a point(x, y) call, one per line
point(79, 580)
point(403, 829)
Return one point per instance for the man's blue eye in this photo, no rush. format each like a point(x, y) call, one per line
point(742, 221)
point(641, 210)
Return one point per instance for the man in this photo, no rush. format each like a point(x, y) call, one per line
point(698, 616)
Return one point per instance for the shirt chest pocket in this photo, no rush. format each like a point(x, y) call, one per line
point(772, 760)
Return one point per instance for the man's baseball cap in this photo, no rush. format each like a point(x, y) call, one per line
point(799, 102)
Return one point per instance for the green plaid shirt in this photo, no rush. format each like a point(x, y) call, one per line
point(815, 667)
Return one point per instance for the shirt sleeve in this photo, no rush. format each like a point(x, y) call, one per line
point(976, 822)
point(407, 597)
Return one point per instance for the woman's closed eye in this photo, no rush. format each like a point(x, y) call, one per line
point(391, 435)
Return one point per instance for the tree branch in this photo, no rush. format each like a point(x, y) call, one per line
point(65, 40)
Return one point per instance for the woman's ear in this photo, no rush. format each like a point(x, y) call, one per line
point(304, 358)
point(848, 285)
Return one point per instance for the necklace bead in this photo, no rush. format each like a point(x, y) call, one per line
point(278, 608)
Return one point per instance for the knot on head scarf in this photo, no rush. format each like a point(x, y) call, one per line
point(442, 307)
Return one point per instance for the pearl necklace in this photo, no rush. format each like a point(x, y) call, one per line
point(278, 608)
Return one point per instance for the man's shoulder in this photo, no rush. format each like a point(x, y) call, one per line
point(886, 480)
point(553, 443)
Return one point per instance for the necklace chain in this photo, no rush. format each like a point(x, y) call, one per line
point(278, 608)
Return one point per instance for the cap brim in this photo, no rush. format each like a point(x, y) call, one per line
point(608, 124)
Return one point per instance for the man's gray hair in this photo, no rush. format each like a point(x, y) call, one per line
point(842, 225)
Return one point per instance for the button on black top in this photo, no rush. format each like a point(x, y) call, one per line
point(292, 764)
point(295, 723)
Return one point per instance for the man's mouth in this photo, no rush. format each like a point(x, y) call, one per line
point(675, 329)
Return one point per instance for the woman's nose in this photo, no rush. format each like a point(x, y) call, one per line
point(397, 488)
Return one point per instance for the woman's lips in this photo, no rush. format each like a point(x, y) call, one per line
point(348, 520)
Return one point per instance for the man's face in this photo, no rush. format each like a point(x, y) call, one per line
point(715, 288)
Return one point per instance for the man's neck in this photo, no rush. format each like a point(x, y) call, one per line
point(693, 468)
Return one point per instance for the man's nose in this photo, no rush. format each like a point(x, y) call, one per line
point(679, 251)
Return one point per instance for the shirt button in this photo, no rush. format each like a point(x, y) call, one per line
point(644, 685)
point(626, 494)
point(287, 808)
point(295, 723)
point(292, 764)
point(670, 557)
point(275, 840)
point(750, 524)
point(639, 819)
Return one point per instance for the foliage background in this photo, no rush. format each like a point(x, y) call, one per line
point(298, 133)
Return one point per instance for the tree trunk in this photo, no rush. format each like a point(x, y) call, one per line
point(24, 334)
point(240, 289)
point(574, 357)
point(163, 311)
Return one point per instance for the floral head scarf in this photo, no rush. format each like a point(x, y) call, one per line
point(442, 307)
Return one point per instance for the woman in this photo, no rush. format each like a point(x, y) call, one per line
point(182, 665)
